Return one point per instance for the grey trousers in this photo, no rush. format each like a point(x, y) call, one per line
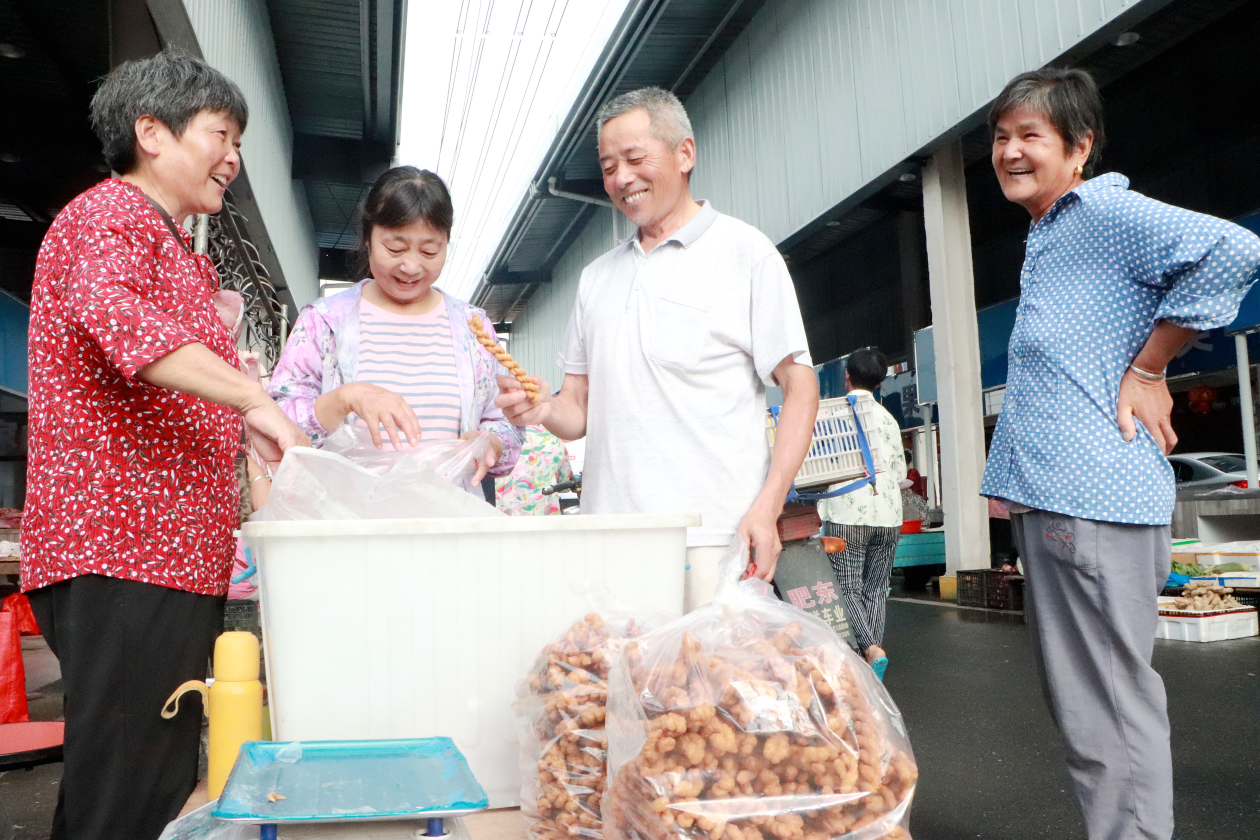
point(1091, 603)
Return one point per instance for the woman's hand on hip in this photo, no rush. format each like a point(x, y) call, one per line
point(377, 406)
point(1149, 402)
point(517, 406)
point(272, 432)
point(491, 456)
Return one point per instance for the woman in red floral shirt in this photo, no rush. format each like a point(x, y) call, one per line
point(136, 409)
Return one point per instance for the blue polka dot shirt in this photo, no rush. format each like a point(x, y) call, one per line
point(1100, 269)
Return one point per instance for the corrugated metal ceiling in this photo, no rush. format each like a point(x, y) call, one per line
point(341, 63)
point(319, 44)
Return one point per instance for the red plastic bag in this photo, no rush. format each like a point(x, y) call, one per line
point(12, 673)
point(20, 606)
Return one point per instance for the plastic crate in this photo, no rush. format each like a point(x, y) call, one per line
point(971, 587)
point(1248, 597)
point(1003, 590)
point(242, 615)
point(834, 453)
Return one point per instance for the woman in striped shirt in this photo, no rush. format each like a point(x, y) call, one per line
point(393, 350)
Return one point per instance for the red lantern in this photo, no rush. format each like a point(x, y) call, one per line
point(1202, 394)
point(1201, 407)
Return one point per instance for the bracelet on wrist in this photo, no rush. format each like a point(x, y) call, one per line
point(1147, 375)
point(258, 478)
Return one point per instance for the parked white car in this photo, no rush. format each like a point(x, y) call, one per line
point(1195, 470)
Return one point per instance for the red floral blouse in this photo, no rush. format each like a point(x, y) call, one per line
point(124, 479)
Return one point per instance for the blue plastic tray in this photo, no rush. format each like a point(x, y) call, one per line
point(343, 781)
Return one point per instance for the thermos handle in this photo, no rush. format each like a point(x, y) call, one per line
point(169, 711)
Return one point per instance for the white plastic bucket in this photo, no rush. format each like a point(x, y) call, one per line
point(421, 627)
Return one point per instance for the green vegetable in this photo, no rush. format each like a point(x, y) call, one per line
point(1229, 567)
point(1189, 569)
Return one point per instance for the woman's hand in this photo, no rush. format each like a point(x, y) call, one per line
point(272, 432)
point(517, 407)
point(376, 407)
point(1149, 402)
point(492, 456)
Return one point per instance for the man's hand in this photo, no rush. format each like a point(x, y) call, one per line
point(272, 432)
point(377, 406)
point(1149, 402)
point(492, 456)
point(760, 528)
point(516, 405)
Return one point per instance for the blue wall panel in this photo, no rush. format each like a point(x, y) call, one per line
point(15, 318)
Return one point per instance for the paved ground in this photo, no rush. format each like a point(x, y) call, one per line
point(990, 761)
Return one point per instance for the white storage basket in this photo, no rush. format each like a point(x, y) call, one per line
point(834, 454)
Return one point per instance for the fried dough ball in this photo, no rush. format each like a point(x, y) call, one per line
point(568, 689)
point(728, 728)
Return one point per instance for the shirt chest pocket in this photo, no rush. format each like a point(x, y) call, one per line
point(676, 332)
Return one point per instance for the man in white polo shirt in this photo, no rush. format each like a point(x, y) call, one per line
point(673, 338)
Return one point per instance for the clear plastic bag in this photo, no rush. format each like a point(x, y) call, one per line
point(200, 825)
point(560, 718)
point(350, 479)
point(750, 720)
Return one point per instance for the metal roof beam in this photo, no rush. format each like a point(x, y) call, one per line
point(338, 159)
point(553, 192)
point(518, 278)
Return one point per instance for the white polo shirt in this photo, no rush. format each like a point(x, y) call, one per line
point(679, 345)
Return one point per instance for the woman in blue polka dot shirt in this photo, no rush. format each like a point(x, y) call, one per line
point(1113, 286)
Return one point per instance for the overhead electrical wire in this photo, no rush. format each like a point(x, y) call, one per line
point(505, 85)
point(549, 35)
point(468, 94)
point(489, 140)
point(497, 151)
point(461, 21)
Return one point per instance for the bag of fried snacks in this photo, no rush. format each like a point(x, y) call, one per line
point(749, 719)
point(560, 718)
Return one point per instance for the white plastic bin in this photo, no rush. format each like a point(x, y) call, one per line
point(421, 627)
point(1220, 627)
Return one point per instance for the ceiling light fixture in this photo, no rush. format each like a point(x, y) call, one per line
point(8, 157)
point(907, 177)
point(1125, 39)
point(11, 51)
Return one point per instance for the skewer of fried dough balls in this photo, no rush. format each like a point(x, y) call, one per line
point(484, 339)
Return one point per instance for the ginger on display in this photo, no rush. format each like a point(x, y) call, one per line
point(750, 720)
point(561, 714)
point(1205, 596)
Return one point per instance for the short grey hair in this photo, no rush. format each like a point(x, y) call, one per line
point(669, 120)
point(172, 87)
point(1068, 98)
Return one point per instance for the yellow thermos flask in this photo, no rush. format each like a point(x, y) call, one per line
point(234, 703)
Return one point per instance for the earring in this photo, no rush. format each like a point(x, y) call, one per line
point(1080, 170)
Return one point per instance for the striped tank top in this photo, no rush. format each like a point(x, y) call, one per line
point(413, 356)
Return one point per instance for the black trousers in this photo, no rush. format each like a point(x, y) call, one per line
point(124, 647)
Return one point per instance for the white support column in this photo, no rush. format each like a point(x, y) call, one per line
point(957, 347)
point(1247, 407)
